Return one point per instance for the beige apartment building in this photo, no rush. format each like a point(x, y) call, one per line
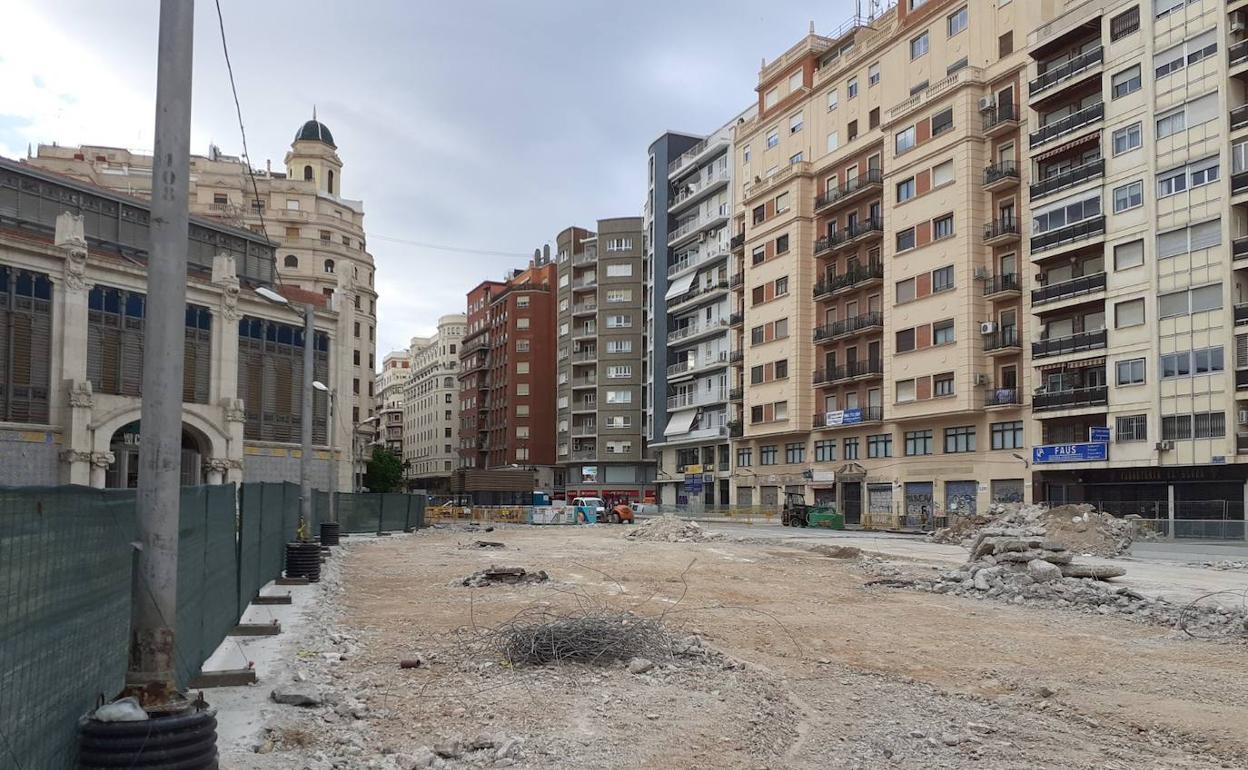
point(601, 360)
point(390, 389)
point(431, 406)
point(302, 208)
point(878, 194)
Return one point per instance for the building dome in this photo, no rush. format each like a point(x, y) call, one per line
point(315, 131)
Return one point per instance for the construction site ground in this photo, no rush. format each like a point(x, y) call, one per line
point(804, 666)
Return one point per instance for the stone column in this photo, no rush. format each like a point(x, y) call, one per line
point(99, 467)
point(71, 291)
point(217, 468)
point(225, 331)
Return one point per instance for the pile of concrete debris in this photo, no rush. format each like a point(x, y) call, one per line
point(504, 575)
point(1079, 528)
point(670, 529)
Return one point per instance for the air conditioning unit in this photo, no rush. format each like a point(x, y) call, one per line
point(1239, 21)
point(1164, 446)
point(987, 103)
point(987, 327)
point(981, 379)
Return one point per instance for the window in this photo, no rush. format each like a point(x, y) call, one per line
point(522, 389)
point(851, 130)
point(905, 190)
point(620, 295)
point(942, 228)
point(905, 239)
point(873, 75)
point(905, 290)
point(918, 88)
point(758, 255)
point(904, 139)
point(782, 244)
point(1130, 372)
point(619, 321)
point(1127, 139)
point(522, 323)
point(745, 458)
point(851, 88)
point(620, 244)
point(794, 453)
point(745, 155)
point(942, 174)
point(1131, 427)
point(1129, 313)
point(767, 454)
point(942, 122)
point(1171, 123)
point(773, 138)
point(1005, 45)
point(1191, 362)
point(522, 346)
point(619, 372)
point(795, 158)
point(1192, 175)
point(1190, 301)
point(620, 270)
point(960, 64)
point(832, 100)
point(918, 46)
point(918, 442)
point(942, 279)
point(795, 81)
point(942, 385)
point(1128, 255)
point(833, 142)
point(880, 445)
point(1192, 238)
point(958, 440)
point(522, 367)
point(1007, 435)
point(956, 21)
point(329, 265)
point(1067, 213)
point(795, 123)
point(1124, 24)
point(619, 396)
point(851, 449)
point(619, 346)
point(292, 204)
point(1176, 58)
point(905, 340)
point(942, 332)
point(782, 286)
point(782, 203)
point(1199, 425)
point(905, 391)
point(1128, 196)
point(915, 4)
point(1126, 82)
point(770, 98)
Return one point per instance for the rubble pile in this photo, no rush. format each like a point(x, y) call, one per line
point(504, 575)
point(1079, 528)
point(671, 530)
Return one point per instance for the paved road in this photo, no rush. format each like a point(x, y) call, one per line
point(1155, 569)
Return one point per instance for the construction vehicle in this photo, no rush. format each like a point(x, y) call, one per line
point(620, 513)
point(795, 512)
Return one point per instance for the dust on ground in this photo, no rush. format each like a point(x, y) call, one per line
point(786, 662)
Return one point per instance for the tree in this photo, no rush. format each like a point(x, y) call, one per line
point(384, 472)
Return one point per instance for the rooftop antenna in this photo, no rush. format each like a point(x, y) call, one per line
point(812, 26)
point(314, 112)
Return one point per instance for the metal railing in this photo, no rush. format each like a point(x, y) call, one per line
point(1068, 124)
point(696, 189)
point(1237, 53)
point(1003, 397)
point(1068, 178)
point(1000, 116)
point(1241, 313)
point(866, 414)
point(1066, 70)
point(1000, 228)
point(850, 370)
point(1089, 228)
point(845, 326)
point(1239, 247)
point(584, 307)
point(873, 178)
point(697, 398)
point(694, 329)
point(999, 284)
point(1075, 398)
point(1001, 340)
point(736, 319)
point(1239, 116)
point(1075, 343)
point(737, 241)
point(698, 290)
point(1006, 169)
point(872, 271)
point(1084, 284)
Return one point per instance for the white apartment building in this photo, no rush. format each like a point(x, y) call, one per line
point(431, 406)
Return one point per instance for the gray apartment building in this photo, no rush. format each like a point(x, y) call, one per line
point(602, 373)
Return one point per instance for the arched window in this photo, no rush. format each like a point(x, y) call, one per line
point(291, 261)
point(307, 173)
point(329, 265)
point(330, 181)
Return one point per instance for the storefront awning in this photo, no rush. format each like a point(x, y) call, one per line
point(680, 286)
point(680, 422)
point(1081, 141)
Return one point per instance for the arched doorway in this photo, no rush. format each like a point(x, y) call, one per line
point(124, 472)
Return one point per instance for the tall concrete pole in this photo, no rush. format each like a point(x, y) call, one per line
point(333, 454)
point(305, 461)
point(154, 598)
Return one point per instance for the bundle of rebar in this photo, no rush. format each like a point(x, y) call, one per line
point(540, 635)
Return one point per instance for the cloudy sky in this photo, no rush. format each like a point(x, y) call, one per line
point(466, 127)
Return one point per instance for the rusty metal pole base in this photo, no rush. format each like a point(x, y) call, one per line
point(149, 677)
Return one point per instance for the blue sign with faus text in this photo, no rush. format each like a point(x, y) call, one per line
point(1069, 453)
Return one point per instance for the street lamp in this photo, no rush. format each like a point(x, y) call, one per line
point(358, 483)
point(305, 460)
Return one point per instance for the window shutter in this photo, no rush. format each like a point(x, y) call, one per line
point(1172, 243)
point(1206, 234)
point(1241, 351)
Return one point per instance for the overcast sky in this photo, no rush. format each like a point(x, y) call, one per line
point(477, 125)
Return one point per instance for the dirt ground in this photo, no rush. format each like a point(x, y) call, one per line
point(804, 668)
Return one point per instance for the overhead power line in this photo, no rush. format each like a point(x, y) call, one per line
point(456, 249)
point(255, 189)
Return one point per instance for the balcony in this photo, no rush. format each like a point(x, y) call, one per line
point(851, 190)
point(1239, 179)
point(845, 417)
point(736, 357)
point(585, 258)
point(692, 226)
point(698, 292)
point(1067, 72)
point(584, 454)
point(1006, 285)
point(698, 189)
point(690, 155)
point(585, 308)
point(705, 253)
point(737, 242)
point(995, 397)
point(1075, 398)
point(737, 281)
point(849, 326)
point(1000, 120)
point(736, 394)
point(585, 405)
point(690, 366)
point(853, 370)
point(1238, 53)
point(855, 232)
point(584, 331)
point(1001, 176)
point(860, 276)
point(697, 398)
point(1002, 341)
point(694, 330)
point(1075, 343)
point(1085, 284)
point(1069, 178)
point(584, 382)
point(588, 429)
point(583, 356)
point(1239, 248)
point(587, 282)
point(1239, 117)
point(1080, 231)
point(1241, 379)
point(735, 429)
point(1241, 314)
point(1067, 125)
point(736, 319)
point(1001, 231)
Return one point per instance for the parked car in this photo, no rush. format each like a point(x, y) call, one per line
point(588, 509)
